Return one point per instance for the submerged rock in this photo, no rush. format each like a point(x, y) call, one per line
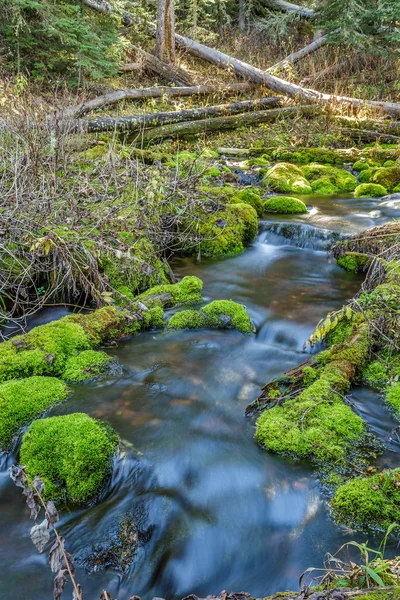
point(71, 454)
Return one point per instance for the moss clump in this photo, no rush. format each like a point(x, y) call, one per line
point(366, 174)
point(360, 165)
point(186, 291)
point(285, 205)
point(86, 365)
point(369, 190)
point(249, 196)
point(309, 155)
point(220, 314)
point(375, 375)
point(369, 501)
point(387, 177)
point(353, 261)
point(226, 232)
point(71, 454)
point(393, 397)
point(285, 177)
point(22, 400)
point(329, 180)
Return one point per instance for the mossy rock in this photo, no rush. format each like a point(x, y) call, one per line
point(284, 205)
point(71, 454)
point(369, 190)
point(360, 165)
point(227, 232)
point(22, 400)
point(309, 155)
point(375, 375)
point(353, 261)
point(249, 196)
point(186, 291)
point(387, 177)
point(327, 180)
point(86, 365)
point(285, 177)
point(366, 174)
point(220, 314)
point(369, 502)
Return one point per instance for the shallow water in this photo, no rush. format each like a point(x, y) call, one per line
point(214, 510)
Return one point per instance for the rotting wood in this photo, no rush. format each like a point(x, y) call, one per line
point(302, 11)
point(222, 123)
point(278, 85)
point(161, 68)
point(154, 92)
point(296, 56)
point(141, 122)
point(364, 135)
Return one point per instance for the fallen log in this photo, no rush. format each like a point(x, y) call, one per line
point(140, 122)
point(100, 5)
point(130, 67)
point(364, 135)
point(280, 85)
point(154, 92)
point(384, 126)
point(296, 56)
point(306, 13)
point(167, 72)
point(222, 123)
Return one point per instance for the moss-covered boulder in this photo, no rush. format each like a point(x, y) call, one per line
point(71, 454)
point(326, 180)
point(227, 231)
point(249, 196)
point(284, 205)
point(353, 261)
point(369, 502)
point(220, 314)
point(87, 364)
point(387, 177)
point(393, 397)
point(360, 165)
point(186, 291)
point(285, 177)
point(22, 400)
point(369, 190)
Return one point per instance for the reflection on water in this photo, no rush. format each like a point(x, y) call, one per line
point(215, 511)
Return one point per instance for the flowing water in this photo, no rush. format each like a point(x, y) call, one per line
point(214, 511)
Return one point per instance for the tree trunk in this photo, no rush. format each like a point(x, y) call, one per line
point(167, 72)
point(296, 56)
point(139, 122)
point(165, 33)
point(280, 85)
point(306, 13)
point(99, 5)
point(364, 135)
point(222, 123)
point(242, 16)
point(155, 92)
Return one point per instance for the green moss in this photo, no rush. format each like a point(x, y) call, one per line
point(22, 400)
point(285, 177)
point(360, 165)
point(157, 317)
point(284, 205)
point(249, 196)
point(220, 314)
point(340, 180)
point(387, 177)
point(225, 192)
point(365, 175)
point(85, 365)
point(393, 397)
point(310, 375)
point(309, 155)
point(390, 163)
point(212, 172)
point(71, 454)
point(369, 501)
point(353, 261)
point(396, 189)
point(375, 375)
point(187, 291)
point(369, 190)
point(227, 232)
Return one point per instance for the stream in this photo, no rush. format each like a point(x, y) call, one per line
point(214, 511)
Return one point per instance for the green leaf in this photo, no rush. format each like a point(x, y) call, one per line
point(374, 576)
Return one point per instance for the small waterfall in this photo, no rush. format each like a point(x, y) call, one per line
point(301, 235)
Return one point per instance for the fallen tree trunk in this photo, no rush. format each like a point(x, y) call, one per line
point(222, 123)
point(280, 85)
point(306, 13)
point(153, 92)
point(130, 67)
point(139, 122)
point(296, 56)
point(167, 72)
point(364, 135)
point(99, 5)
point(384, 126)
